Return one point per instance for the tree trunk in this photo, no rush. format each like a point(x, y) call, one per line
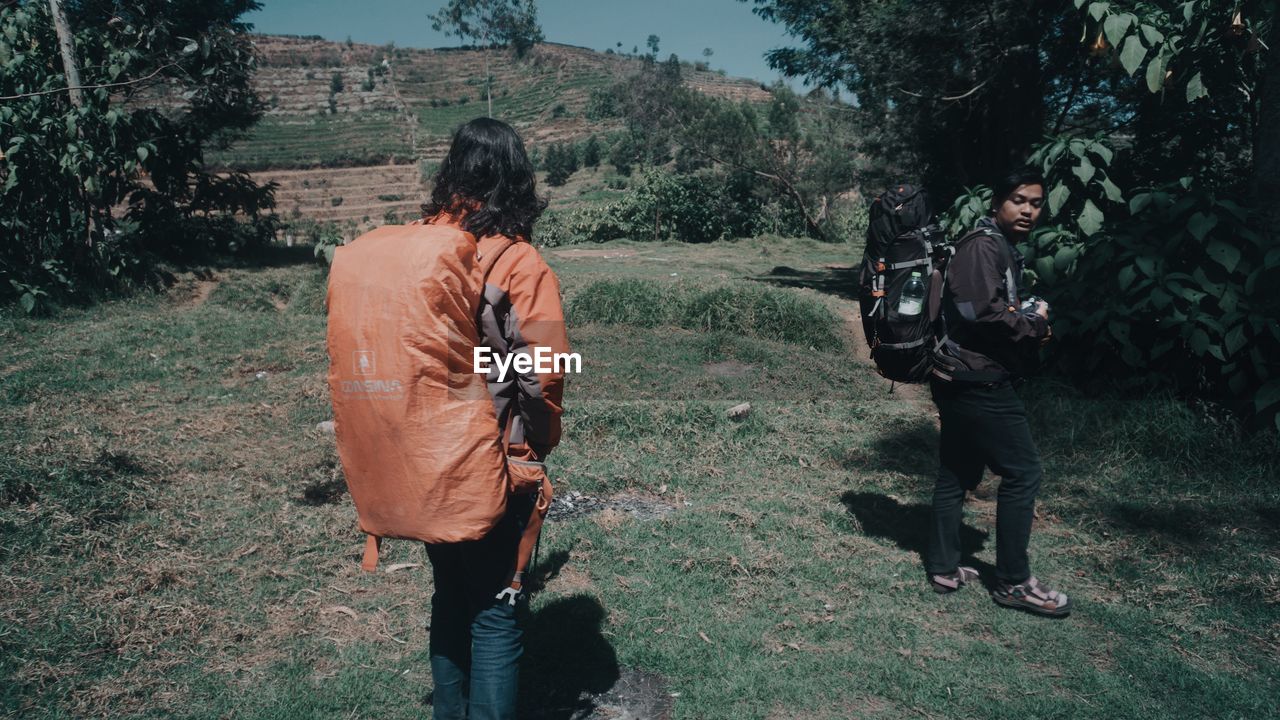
point(69, 66)
point(1266, 141)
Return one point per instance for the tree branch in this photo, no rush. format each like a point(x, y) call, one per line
point(89, 87)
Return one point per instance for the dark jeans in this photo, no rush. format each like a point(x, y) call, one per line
point(984, 426)
point(475, 640)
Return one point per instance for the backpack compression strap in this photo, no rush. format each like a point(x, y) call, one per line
point(373, 543)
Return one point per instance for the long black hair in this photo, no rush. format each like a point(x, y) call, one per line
point(487, 181)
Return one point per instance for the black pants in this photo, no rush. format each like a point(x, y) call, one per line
point(984, 426)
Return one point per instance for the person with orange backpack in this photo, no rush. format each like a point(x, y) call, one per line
point(432, 447)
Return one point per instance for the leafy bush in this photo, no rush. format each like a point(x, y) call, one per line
point(1177, 287)
point(666, 206)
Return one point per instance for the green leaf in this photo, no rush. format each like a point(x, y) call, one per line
point(1238, 383)
point(1201, 224)
point(1057, 197)
point(1064, 257)
point(1098, 9)
point(1090, 218)
point(1084, 170)
point(1139, 202)
point(1119, 330)
point(1103, 152)
point(190, 47)
point(1153, 36)
point(1115, 26)
point(1216, 351)
point(1126, 277)
point(1199, 342)
point(1155, 74)
point(1209, 286)
point(1225, 255)
point(1044, 269)
point(1112, 190)
point(1267, 396)
point(1196, 89)
point(1146, 264)
point(28, 302)
point(143, 152)
point(1273, 258)
point(1235, 339)
point(1131, 54)
point(1160, 299)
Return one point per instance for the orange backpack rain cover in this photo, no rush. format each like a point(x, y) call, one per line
point(416, 428)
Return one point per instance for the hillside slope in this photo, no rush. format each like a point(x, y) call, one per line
point(348, 124)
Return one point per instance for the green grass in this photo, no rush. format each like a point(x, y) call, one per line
point(175, 541)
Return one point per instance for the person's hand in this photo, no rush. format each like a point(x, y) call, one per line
point(1042, 309)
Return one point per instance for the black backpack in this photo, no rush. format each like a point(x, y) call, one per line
point(902, 238)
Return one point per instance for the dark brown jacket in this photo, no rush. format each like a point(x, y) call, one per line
point(989, 337)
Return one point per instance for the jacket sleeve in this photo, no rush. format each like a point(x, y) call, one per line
point(976, 279)
point(536, 328)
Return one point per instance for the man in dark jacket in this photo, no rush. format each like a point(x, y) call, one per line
point(993, 337)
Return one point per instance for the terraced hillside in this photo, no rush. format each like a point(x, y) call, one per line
point(348, 124)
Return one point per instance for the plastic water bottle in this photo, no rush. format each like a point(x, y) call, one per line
point(912, 300)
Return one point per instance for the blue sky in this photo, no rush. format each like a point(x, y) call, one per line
point(738, 38)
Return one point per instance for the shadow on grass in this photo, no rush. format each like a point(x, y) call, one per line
point(567, 660)
point(910, 449)
point(908, 527)
point(841, 282)
point(324, 492)
point(545, 569)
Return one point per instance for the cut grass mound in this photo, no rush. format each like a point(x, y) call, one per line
point(739, 309)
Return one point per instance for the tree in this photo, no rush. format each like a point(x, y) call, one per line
point(510, 23)
point(160, 82)
point(591, 152)
point(652, 42)
point(561, 163)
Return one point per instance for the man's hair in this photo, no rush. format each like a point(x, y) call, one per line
point(487, 181)
point(1025, 175)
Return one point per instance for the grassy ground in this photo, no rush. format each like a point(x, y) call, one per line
point(175, 540)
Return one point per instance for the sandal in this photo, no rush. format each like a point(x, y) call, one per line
point(951, 582)
point(1033, 597)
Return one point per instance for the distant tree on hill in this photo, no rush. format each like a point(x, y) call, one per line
point(623, 154)
point(509, 23)
point(561, 163)
point(652, 42)
point(591, 152)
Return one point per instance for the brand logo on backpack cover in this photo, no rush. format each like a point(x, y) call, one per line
point(362, 362)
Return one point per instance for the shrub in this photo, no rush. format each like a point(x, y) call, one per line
point(335, 201)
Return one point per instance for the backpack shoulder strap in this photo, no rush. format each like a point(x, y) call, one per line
point(489, 259)
point(1010, 281)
